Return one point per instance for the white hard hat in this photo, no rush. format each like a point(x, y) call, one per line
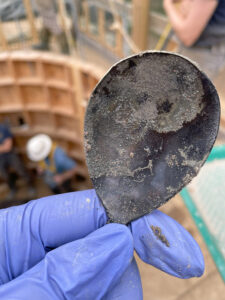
point(39, 147)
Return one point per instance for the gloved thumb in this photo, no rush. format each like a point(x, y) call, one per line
point(84, 269)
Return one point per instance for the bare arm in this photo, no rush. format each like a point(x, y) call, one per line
point(190, 25)
point(60, 178)
point(69, 174)
point(6, 146)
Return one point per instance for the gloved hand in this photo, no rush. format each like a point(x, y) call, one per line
point(89, 259)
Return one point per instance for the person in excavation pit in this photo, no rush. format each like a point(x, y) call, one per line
point(9, 161)
point(53, 164)
point(199, 26)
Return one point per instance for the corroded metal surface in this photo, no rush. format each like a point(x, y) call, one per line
point(150, 124)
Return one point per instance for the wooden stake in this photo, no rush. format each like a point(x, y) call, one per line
point(101, 25)
point(140, 23)
point(119, 39)
point(3, 40)
point(30, 17)
point(86, 16)
point(62, 13)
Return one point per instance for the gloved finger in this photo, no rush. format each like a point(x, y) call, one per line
point(83, 270)
point(29, 231)
point(128, 287)
point(162, 242)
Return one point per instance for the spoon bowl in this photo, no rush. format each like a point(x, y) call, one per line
point(150, 124)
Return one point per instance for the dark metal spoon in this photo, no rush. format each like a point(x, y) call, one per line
point(149, 127)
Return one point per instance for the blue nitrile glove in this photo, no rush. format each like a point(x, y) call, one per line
point(92, 260)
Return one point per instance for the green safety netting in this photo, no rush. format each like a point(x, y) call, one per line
point(205, 200)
